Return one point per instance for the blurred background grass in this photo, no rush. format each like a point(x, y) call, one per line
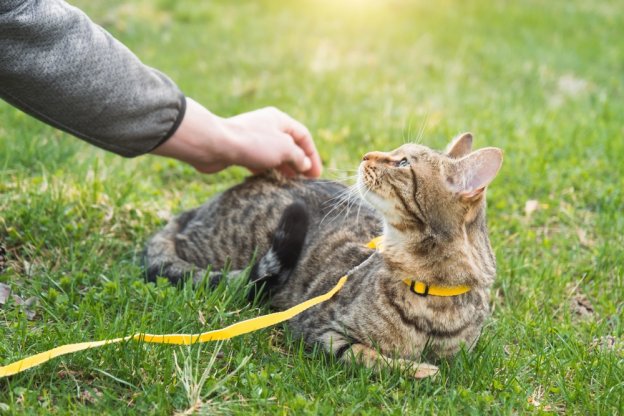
point(542, 80)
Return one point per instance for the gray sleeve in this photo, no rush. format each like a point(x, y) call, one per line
point(59, 66)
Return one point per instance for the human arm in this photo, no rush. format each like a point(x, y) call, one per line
point(58, 66)
point(257, 140)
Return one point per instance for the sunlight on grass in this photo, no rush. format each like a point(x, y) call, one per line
point(538, 79)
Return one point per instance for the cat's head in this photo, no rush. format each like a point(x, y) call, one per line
point(432, 202)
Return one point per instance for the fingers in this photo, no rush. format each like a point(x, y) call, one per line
point(303, 139)
point(296, 156)
point(286, 144)
point(287, 170)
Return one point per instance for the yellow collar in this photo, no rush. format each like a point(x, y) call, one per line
point(421, 288)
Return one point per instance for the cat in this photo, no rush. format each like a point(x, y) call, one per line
point(428, 205)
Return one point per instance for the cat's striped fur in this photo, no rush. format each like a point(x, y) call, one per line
point(430, 207)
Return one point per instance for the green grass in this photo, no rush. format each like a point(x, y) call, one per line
point(542, 80)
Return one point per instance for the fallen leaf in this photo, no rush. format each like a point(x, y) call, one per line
point(572, 85)
point(87, 397)
point(164, 214)
point(68, 373)
point(535, 399)
point(5, 293)
point(530, 207)
point(583, 239)
point(581, 306)
point(27, 267)
point(201, 318)
point(29, 307)
point(20, 392)
point(608, 343)
point(17, 299)
point(3, 258)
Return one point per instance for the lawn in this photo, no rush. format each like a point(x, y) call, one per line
point(542, 80)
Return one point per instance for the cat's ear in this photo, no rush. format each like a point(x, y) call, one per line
point(460, 146)
point(476, 171)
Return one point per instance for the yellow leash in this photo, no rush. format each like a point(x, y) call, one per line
point(228, 332)
point(231, 331)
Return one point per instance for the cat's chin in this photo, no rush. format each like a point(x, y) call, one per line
point(381, 205)
point(369, 195)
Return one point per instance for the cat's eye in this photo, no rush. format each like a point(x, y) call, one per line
point(403, 163)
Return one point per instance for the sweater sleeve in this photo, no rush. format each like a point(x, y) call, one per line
point(60, 67)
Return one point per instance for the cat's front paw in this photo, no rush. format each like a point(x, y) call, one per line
point(424, 370)
point(419, 370)
point(371, 358)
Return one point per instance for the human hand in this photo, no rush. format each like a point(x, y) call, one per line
point(258, 140)
point(269, 138)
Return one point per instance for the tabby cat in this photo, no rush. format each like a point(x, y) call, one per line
point(428, 205)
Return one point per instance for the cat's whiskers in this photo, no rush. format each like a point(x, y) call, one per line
point(406, 137)
point(342, 202)
point(351, 174)
point(341, 195)
point(353, 192)
point(362, 200)
point(421, 132)
point(346, 179)
point(341, 170)
point(341, 174)
point(347, 192)
point(357, 196)
point(337, 201)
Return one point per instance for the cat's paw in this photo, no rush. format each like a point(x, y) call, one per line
point(419, 370)
point(424, 370)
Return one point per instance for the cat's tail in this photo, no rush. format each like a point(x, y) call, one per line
point(275, 267)
point(160, 256)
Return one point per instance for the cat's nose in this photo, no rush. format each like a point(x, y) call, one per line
point(373, 156)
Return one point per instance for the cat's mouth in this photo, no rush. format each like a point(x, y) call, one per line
point(369, 184)
point(370, 176)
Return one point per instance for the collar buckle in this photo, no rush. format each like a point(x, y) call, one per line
point(425, 291)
